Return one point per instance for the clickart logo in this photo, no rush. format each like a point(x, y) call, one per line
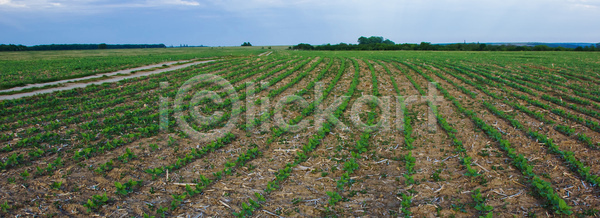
point(203, 123)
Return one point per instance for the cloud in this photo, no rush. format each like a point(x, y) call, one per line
point(221, 22)
point(174, 2)
point(27, 4)
point(190, 3)
point(9, 3)
point(332, 6)
point(76, 6)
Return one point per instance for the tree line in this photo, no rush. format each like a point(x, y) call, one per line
point(378, 43)
point(12, 47)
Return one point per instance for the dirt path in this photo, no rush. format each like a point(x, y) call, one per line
point(125, 71)
point(68, 85)
point(265, 54)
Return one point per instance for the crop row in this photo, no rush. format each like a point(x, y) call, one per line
point(568, 157)
point(121, 141)
point(223, 141)
point(558, 101)
point(542, 188)
point(302, 156)
point(248, 156)
point(42, 111)
point(350, 164)
point(142, 117)
point(465, 159)
point(137, 115)
point(589, 123)
point(572, 161)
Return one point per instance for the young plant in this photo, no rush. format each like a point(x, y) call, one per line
point(171, 141)
point(466, 161)
point(484, 210)
point(162, 211)
point(24, 175)
point(105, 167)
point(129, 155)
point(96, 202)
point(436, 175)
point(5, 207)
point(36, 153)
point(128, 187)
point(248, 209)
point(406, 201)
point(350, 166)
point(153, 147)
point(155, 172)
point(334, 197)
point(177, 199)
point(189, 191)
point(56, 185)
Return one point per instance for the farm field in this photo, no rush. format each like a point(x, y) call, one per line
point(511, 134)
point(29, 67)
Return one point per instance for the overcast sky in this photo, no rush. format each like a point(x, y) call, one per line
point(287, 22)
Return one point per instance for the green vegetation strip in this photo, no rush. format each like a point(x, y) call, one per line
point(542, 188)
point(250, 154)
point(361, 146)
point(588, 123)
point(221, 142)
point(450, 131)
point(90, 149)
point(302, 156)
point(572, 161)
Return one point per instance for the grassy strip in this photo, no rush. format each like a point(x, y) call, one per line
point(31, 89)
point(15, 106)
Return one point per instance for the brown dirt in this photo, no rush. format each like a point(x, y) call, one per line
point(378, 181)
point(554, 171)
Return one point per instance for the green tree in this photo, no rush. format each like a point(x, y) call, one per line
point(371, 40)
point(363, 40)
point(303, 46)
point(375, 39)
point(541, 48)
point(246, 44)
point(102, 46)
point(425, 46)
point(389, 42)
point(482, 47)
